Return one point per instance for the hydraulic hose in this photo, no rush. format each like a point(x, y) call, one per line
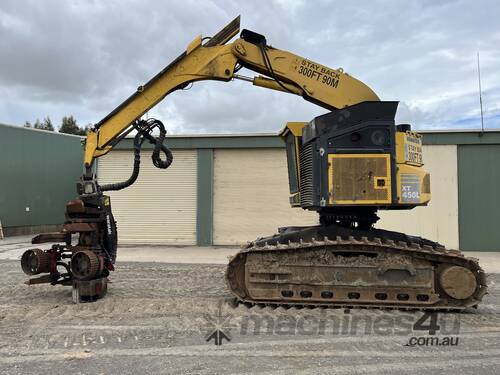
point(135, 172)
point(144, 129)
point(158, 142)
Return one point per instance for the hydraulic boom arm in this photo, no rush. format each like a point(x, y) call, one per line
point(216, 60)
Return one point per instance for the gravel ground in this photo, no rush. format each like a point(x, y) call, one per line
point(156, 319)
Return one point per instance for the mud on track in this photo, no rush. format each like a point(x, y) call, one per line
point(156, 318)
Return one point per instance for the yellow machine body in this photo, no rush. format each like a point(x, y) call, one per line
point(393, 179)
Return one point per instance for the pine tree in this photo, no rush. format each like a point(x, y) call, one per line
point(45, 125)
point(69, 126)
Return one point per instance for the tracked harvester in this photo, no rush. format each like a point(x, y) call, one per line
point(346, 164)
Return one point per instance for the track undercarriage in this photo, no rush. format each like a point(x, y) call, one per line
point(334, 265)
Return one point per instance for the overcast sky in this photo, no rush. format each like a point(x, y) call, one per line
point(82, 58)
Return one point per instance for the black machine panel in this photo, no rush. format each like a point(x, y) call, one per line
point(365, 128)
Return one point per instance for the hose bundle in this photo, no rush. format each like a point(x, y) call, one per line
point(144, 131)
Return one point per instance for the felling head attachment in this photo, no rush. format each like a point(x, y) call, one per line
point(84, 265)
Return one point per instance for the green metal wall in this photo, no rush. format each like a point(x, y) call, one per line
point(461, 137)
point(38, 169)
point(479, 198)
point(204, 211)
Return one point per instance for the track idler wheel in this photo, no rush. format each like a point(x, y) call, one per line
point(35, 261)
point(458, 282)
point(85, 265)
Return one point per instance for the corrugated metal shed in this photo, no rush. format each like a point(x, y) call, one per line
point(212, 188)
point(38, 173)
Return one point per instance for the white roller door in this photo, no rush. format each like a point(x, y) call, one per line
point(160, 208)
point(439, 220)
point(251, 195)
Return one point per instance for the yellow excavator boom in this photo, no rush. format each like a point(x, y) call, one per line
point(216, 60)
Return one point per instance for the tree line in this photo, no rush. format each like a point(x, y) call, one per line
point(68, 125)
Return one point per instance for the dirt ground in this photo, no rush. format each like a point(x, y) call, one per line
point(157, 318)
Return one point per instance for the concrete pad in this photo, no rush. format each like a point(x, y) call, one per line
point(489, 260)
point(177, 254)
point(13, 247)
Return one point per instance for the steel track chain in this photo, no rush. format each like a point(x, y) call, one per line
point(425, 252)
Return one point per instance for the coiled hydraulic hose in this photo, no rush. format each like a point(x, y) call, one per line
point(144, 129)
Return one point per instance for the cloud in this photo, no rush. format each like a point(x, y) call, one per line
point(84, 57)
